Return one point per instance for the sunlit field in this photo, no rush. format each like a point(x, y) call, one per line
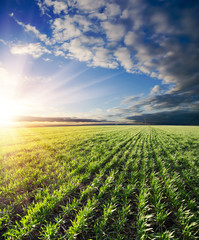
point(99, 182)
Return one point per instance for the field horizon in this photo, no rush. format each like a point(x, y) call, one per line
point(15, 124)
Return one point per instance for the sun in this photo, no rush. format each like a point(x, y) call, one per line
point(9, 109)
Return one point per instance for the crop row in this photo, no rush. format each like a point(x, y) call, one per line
point(101, 183)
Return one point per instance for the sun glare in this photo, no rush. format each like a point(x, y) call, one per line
point(9, 109)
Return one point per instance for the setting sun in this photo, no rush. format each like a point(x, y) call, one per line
point(9, 109)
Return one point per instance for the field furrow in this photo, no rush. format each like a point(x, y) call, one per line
point(181, 215)
point(102, 182)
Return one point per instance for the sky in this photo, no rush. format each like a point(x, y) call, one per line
point(121, 61)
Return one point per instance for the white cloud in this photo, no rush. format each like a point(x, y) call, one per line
point(78, 51)
point(100, 16)
point(58, 6)
point(103, 58)
point(83, 23)
point(2, 41)
point(42, 7)
point(114, 109)
point(88, 49)
point(90, 5)
point(144, 69)
point(114, 32)
point(40, 36)
point(123, 56)
point(134, 11)
point(154, 75)
point(64, 29)
point(92, 40)
point(34, 49)
point(125, 14)
point(112, 10)
point(155, 90)
point(47, 59)
point(128, 100)
point(143, 53)
point(130, 39)
point(58, 52)
point(161, 23)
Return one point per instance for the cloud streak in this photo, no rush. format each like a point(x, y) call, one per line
point(38, 35)
point(36, 50)
point(57, 119)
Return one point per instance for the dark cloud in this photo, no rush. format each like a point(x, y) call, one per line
point(167, 118)
point(56, 119)
point(163, 37)
point(161, 108)
point(166, 41)
point(169, 101)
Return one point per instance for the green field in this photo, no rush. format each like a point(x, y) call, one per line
point(99, 182)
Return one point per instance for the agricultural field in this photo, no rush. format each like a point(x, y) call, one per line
point(99, 182)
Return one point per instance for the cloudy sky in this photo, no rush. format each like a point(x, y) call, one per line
point(116, 60)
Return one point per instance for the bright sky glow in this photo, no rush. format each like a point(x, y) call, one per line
point(125, 61)
point(9, 109)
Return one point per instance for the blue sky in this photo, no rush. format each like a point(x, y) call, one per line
point(126, 61)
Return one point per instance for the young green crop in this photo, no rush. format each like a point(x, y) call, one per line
point(99, 182)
